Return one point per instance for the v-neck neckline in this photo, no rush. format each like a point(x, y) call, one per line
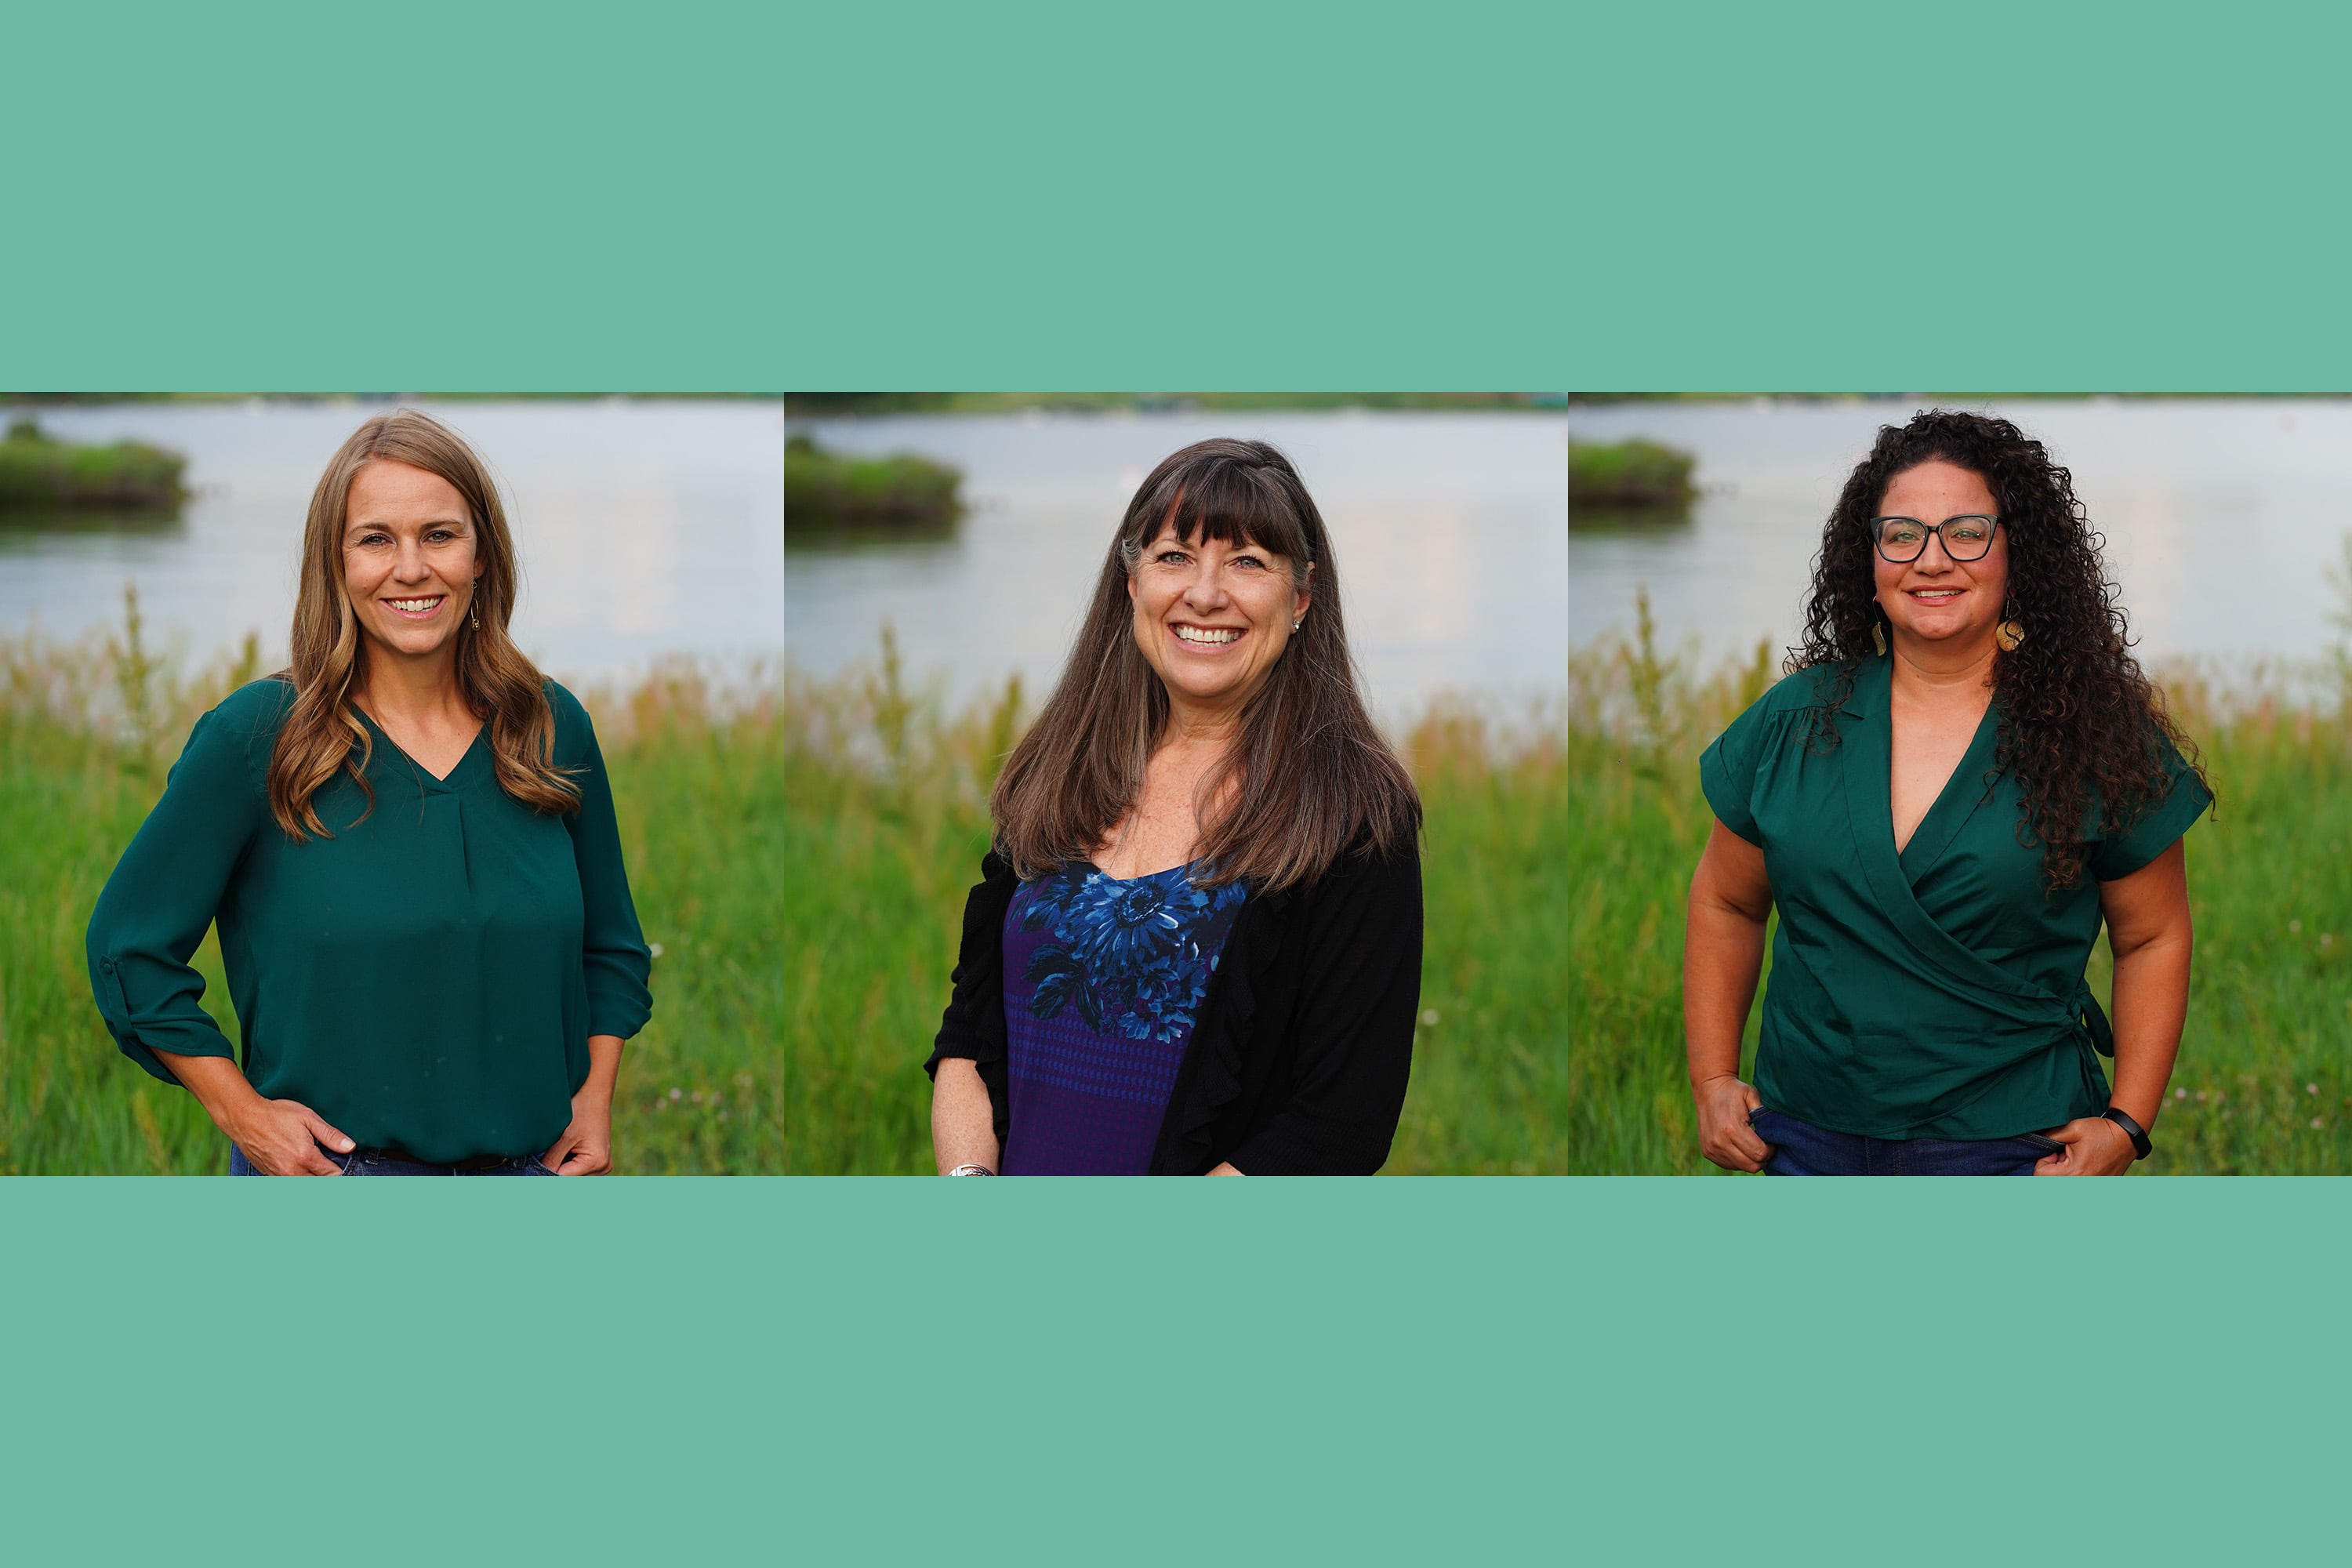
point(448, 780)
point(1955, 802)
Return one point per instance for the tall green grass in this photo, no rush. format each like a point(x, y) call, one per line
point(2265, 1081)
point(887, 788)
point(87, 733)
point(799, 852)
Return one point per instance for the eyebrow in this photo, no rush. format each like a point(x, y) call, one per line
point(458, 521)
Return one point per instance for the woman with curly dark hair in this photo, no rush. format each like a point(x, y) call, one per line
point(1964, 773)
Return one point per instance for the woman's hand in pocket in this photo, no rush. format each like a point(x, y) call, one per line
point(586, 1147)
point(2094, 1146)
point(1723, 1135)
point(282, 1138)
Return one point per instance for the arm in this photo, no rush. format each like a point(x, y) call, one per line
point(2148, 929)
point(1359, 999)
point(1723, 953)
point(586, 1147)
point(963, 1122)
point(279, 1137)
point(615, 964)
point(154, 911)
point(967, 1061)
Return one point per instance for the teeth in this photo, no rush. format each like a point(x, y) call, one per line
point(1203, 635)
point(414, 606)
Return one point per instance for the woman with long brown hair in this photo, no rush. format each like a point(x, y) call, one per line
point(1964, 776)
point(408, 842)
point(1195, 947)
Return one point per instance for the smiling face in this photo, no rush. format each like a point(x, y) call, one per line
point(1212, 617)
point(1936, 599)
point(410, 562)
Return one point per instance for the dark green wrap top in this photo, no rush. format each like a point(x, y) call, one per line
point(1934, 994)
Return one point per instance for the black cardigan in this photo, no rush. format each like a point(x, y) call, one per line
point(1301, 1047)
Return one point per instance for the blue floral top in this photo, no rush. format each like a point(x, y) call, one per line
point(1102, 978)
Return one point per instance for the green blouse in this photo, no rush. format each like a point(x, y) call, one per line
point(426, 979)
point(1937, 993)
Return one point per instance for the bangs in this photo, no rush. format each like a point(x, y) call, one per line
point(1232, 504)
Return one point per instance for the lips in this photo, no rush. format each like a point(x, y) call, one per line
point(1207, 639)
point(416, 607)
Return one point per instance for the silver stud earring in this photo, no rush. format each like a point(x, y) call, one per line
point(1297, 623)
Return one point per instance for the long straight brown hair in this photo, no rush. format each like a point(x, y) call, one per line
point(322, 734)
point(1307, 775)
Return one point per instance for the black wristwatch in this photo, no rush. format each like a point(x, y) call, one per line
point(2140, 1145)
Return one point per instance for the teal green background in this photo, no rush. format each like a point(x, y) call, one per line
point(454, 197)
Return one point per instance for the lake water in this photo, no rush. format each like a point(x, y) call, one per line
point(646, 529)
point(1450, 530)
point(2220, 515)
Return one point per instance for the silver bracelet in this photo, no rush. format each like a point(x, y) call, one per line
point(972, 1170)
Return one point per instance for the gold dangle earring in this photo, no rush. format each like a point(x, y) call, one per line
point(1878, 638)
point(2008, 634)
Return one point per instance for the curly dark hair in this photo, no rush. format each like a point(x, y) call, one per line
point(2079, 720)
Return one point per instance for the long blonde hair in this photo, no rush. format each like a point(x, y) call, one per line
point(322, 734)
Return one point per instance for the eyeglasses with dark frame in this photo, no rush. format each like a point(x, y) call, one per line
point(1903, 539)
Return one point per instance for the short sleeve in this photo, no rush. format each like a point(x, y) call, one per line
point(1726, 772)
point(2118, 855)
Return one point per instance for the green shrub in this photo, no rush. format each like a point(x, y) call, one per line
point(40, 474)
point(1622, 475)
point(825, 490)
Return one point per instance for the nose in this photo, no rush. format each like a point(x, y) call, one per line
point(1934, 558)
point(1205, 591)
point(410, 565)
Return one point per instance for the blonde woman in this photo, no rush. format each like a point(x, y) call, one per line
point(407, 840)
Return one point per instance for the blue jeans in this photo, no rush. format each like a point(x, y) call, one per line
point(376, 1163)
point(1801, 1149)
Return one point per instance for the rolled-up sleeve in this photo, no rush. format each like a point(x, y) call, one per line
point(2118, 855)
point(616, 965)
point(168, 885)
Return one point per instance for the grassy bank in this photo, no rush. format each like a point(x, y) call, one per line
point(38, 473)
point(2265, 1083)
point(1621, 476)
point(885, 827)
point(86, 731)
point(825, 490)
